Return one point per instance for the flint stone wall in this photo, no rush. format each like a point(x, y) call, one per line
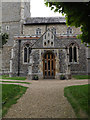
point(76, 68)
point(6, 55)
point(62, 61)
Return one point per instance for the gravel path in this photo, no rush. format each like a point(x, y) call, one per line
point(44, 99)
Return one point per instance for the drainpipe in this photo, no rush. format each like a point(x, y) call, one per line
point(19, 45)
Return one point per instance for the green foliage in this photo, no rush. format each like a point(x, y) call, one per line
point(62, 77)
point(3, 38)
point(81, 76)
point(10, 95)
point(77, 14)
point(35, 77)
point(13, 78)
point(78, 97)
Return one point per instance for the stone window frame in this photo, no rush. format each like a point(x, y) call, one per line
point(54, 30)
point(69, 31)
point(7, 27)
point(47, 38)
point(77, 49)
point(28, 54)
point(38, 31)
point(12, 53)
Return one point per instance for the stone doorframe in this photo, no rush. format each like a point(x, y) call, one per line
point(42, 52)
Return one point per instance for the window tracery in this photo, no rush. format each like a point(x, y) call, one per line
point(38, 31)
point(48, 39)
point(27, 51)
point(7, 27)
point(73, 53)
point(69, 30)
point(53, 30)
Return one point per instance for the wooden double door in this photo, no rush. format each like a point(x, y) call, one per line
point(49, 66)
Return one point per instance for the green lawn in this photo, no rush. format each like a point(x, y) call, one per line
point(81, 76)
point(78, 98)
point(12, 78)
point(10, 95)
point(16, 82)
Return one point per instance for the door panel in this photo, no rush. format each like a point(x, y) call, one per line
point(49, 66)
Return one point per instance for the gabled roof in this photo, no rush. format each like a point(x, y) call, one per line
point(44, 20)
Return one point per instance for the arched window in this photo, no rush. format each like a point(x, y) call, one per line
point(38, 31)
point(53, 30)
point(48, 39)
point(27, 51)
point(25, 55)
point(70, 54)
point(73, 53)
point(7, 27)
point(69, 30)
point(45, 36)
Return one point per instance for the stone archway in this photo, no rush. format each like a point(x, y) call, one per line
point(49, 65)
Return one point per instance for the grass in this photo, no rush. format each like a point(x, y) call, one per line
point(81, 76)
point(16, 82)
point(10, 95)
point(78, 98)
point(12, 78)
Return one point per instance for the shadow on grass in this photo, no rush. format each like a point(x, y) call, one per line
point(10, 95)
point(78, 98)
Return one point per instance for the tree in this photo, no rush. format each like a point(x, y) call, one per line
point(77, 14)
point(3, 38)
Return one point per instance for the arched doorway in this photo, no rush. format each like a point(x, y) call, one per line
point(49, 66)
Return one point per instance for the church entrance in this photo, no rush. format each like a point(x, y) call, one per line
point(49, 66)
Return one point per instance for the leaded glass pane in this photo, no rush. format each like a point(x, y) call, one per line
point(25, 54)
point(75, 54)
point(70, 54)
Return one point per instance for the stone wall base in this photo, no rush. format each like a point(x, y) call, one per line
point(40, 76)
point(6, 55)
point(29, 77)
point(16, 75)
point(35, 76)
point(88, 74)
point(79, 73)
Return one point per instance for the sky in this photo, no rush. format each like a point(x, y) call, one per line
point(38, 9)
